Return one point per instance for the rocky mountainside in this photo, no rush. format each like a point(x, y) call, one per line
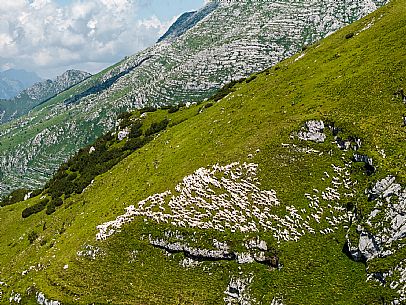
point(287, 187)
point(13, 81)
point(39, 93)
point(231, 40)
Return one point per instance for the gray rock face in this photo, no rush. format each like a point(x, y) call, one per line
point(383, 233)
point(389, 228)
point(187, 21)
point(369, 163)
point(350, 143)
point(385, 188)
point(367, 246)
point(204, 254)
point(42, 300)
point(256, 250)
point(313, 131)
point(237, 292)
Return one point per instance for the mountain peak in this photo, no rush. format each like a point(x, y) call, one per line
point(188, 20)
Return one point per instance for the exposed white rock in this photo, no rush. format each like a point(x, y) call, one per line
point(229, 198)
point(367, 246)
point(237, 292)
point(387, 221)
point(15, 297)
point(276, 301)
point(313, 131)
point(89, 251)
point(122, 134)
point(42, 300)
point(188, 262)
point(244, 258)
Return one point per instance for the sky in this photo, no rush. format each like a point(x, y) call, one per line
point(51, 36)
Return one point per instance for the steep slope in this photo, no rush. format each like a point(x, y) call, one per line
point(263, 198)
point(236, 39)
point(13, 81)
point(39, 93)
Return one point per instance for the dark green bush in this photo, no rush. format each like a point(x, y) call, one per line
point(50, 209)
point(156, 127)
point(251, 78)
point(148, 109)
point(36, 208)
point(226, 90)
point(173, 109)
point(133, 144)
point(32, 236)
point(124, 118)
point(135, 130)
point(349, 35)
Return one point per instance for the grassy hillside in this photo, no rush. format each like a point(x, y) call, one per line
point(234, 40)
point(350, 79)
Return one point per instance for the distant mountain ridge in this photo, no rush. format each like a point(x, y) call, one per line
point(38, 93)
point(13, 81)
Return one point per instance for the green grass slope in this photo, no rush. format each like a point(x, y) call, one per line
point(350, 80)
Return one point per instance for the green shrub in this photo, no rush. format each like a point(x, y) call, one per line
point(226, 90)
point(148, 109)
point(173, 109)
point(349, 35)
point(36, 208)
point(32, 236)
point(156, 127)
point(251, 78)
point(135, 130)
point(133, 144)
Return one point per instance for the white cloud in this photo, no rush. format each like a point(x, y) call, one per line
point(41, 36)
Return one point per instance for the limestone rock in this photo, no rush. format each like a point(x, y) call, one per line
point(313, 131)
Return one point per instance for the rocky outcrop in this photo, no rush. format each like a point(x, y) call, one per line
point(368, 162)
point(312, 131)
point(382, 234)
point(237, 292)
point(195, 253)
point(42, 300)
point(387, 220)
point(187, 21)
point(256, 251)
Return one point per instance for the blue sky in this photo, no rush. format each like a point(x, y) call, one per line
point(51, 36)
point(163, 9)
